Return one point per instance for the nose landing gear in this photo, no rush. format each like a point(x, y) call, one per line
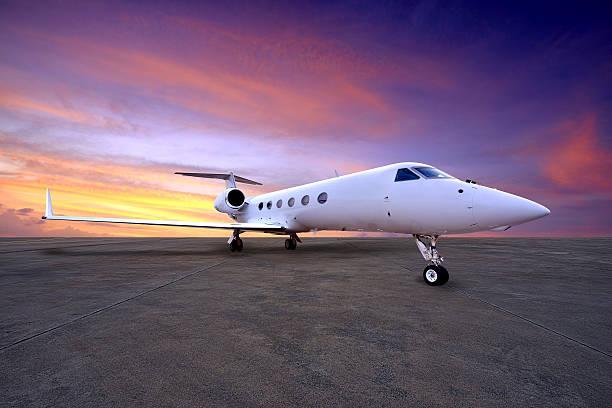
point(434, 274)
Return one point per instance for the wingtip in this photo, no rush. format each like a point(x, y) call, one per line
point(48, 206)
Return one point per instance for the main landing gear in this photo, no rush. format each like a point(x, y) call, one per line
point(434, 274)
point(235, 243)
point(291, 242)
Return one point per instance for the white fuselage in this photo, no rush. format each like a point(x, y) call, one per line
point(373, 201)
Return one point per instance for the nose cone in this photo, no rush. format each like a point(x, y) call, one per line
point(494, 208)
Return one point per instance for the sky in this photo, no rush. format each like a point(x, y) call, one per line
point(102, 101)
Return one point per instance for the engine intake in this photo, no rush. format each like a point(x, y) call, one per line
point(230, 200)
point(235, 198)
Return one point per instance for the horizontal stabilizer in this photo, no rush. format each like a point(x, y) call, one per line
point(221, 176)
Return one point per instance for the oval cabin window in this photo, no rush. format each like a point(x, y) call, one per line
point(305, 200)
point(279, 203)
point(291, 202)
point(322, 198)
point(269, 205)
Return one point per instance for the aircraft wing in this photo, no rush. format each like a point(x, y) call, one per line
point(243, 226)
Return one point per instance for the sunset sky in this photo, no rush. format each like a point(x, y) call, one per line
point(103, 101)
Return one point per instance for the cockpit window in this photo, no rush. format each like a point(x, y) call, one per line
point(430, 172)
point(405, 174)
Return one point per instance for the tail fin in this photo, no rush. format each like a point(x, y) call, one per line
point(230, 179)
point(48, 207)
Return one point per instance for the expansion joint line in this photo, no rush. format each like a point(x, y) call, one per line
point(85, 316)
point(532, 322)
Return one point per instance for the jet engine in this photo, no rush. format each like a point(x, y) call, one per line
point(230, 201)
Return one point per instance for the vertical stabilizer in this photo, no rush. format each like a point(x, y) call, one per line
point(49, 207)
point(230, 181)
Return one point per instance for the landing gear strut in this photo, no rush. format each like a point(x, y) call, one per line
point(434, 274)
point(291, 242)
point(235, 243)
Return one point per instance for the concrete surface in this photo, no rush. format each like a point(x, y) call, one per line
point(338, 322)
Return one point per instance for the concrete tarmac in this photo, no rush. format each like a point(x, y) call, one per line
point(337, 322)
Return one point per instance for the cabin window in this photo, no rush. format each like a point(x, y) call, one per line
point(279, 203)
point(305, 200)
point(430, 172)
point(260, 206)
point(405, 174)
point(322, 198)
point(269, 205)
point(291, 202)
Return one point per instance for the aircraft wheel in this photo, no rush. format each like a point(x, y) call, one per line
point(288, 244)
point(435, 275)
point(293, 244)
point(233, 245)
point(239, 245)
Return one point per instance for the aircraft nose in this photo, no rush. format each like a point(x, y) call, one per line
point(530, 210)
point(494, 208)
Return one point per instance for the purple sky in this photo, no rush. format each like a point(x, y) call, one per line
point(516, 96)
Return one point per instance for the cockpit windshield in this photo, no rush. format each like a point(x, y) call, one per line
point(430, 172)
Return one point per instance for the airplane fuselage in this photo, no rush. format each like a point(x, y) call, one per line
point(373, 200)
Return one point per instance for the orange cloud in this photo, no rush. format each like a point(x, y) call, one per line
point(11, 100)
point(578, 160)
point(323, 99)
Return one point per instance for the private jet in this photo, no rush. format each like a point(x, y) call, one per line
point(408, 198)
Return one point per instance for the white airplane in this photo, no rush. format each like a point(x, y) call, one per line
point(409, 198)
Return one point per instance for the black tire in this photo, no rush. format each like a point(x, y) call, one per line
point(293, 244)
point(435, 275)
point(239, 245)
point(288, 244)
point(233, 245)
point(444, 275)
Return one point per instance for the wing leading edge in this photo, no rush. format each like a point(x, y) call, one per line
point(243, 226)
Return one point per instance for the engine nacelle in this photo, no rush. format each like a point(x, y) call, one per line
point(230, 201)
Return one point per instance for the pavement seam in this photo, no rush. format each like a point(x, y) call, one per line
point(468, 295)
point(59, 326)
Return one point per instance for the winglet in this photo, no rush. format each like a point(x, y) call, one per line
point(48, 207)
